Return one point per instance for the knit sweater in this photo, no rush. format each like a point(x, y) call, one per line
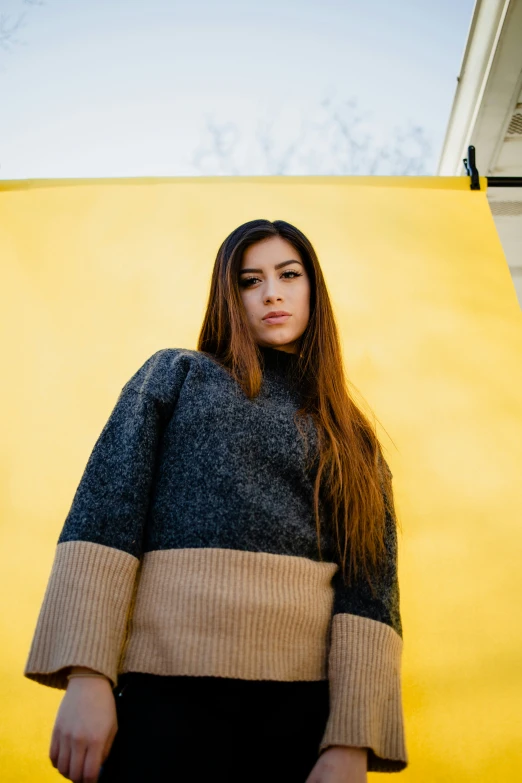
point(190, 548)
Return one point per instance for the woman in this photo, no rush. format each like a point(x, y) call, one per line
point(224, 597)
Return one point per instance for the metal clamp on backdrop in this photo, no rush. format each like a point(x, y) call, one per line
point(499, 182)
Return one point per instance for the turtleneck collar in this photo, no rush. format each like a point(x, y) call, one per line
point(279, 361)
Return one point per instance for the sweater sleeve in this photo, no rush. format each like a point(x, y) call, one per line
point(84, 613)
point(364, 662)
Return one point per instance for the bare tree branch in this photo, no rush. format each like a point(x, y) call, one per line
point(222, 144)
point(9, 27)
point(8, 30)
point(332, 144)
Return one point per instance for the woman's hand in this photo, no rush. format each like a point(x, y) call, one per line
point(340, 764)
point(85, 727)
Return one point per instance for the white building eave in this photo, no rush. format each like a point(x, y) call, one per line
point(487, 113)
point(488, 87)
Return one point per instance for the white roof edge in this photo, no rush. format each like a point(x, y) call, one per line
point(484, 31)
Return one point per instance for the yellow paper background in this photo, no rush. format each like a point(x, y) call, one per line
point(99, 274)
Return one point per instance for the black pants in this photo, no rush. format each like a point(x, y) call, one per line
point(195, 729)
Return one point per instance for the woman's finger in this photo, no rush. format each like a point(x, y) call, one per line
point(54, 747)
point(92, 762)
point(64, 755)
point(78, 751)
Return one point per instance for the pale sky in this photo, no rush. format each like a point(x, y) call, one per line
point(99, 88)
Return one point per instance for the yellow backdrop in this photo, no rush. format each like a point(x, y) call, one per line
point(99, 274)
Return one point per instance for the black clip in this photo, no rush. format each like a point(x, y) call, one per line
point(472, 169)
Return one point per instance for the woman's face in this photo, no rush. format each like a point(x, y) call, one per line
point(273, 277)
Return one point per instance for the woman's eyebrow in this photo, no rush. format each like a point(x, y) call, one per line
point(277, 266)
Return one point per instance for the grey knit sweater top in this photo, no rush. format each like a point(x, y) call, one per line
point(190, 548)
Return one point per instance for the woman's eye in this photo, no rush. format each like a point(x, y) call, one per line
point(248, 281)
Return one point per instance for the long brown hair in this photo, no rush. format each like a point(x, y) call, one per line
point(352, 474)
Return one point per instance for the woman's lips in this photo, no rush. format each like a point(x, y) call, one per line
point(276, 319)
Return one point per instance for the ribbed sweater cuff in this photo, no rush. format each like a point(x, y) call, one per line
point(365, 691)
point(83, 616)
